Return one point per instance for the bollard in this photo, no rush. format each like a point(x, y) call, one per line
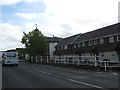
point(41, 58)
point(95, 61)
point(47, 59)
point(55, 58)
point(105, 66)
point(36, 59)
point(64, 60)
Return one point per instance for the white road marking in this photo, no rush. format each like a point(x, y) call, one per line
point(115, 74)
point(87, 84)
point(41, 71)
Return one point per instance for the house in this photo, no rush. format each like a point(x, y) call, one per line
point(103, 42)
point(52, 42)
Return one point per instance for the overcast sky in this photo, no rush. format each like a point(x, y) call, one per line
point(61, 18)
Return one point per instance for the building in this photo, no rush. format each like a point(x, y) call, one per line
point(52, 42)
point(103, 42)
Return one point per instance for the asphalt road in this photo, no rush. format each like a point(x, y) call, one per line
point(27, 75)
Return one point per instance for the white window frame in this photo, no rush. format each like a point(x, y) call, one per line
point(101, 40)
point(111, 39)
point(62, 47)
point(75, 46)
point(96, 42)
point(79, 44)
point(66, 47)
point(90, 43)
point(118, 39)
point(83, 44)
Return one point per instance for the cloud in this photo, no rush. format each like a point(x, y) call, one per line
point(10, 36)
point(34, 1)
point(69, 17)
point(28, 15)
point(81, 15)
point(34, 17)
point(11, 2)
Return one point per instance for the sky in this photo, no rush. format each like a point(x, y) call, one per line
point(61, 18)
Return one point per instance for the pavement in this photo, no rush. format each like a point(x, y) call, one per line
point(29, 75)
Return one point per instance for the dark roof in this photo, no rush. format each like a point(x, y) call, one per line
point(68, 40)
point(54, 39)
point(109, 30)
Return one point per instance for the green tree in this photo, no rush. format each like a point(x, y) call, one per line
point(35, 42)
point(20, 53)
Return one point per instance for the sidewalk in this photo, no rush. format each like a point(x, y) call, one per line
point(87, 67)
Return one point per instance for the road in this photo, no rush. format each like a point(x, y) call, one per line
point(27, 75)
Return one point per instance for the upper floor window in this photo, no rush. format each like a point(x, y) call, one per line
point(83, 44)
point(95, 42)
point(66, 47)
point(62, 47)
point(75, 46)
point(118, 38)
point(101, 40)
point(79, 44)
point(90, 43)
point(59, 48)
point(111, 39)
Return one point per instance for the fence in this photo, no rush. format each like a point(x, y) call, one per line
point(77, 60)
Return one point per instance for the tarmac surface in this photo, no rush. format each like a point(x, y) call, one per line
point(30, 75)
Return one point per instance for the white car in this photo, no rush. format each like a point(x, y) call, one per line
point(10, 58)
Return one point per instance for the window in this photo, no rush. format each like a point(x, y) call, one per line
point(62, 47)
point(75, 45)
point(79, 44)
point(101, 40)
point(90, 43)
point(95, 42)
point(111, 39)
point(83, 44)
point(66, 47)
point(118, 38)
point(59, 48)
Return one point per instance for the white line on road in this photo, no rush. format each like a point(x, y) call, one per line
point(41, 71)
point(87, 84)
point(115, 74)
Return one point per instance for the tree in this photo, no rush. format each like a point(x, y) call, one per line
point(20, 54)
point(35, 42)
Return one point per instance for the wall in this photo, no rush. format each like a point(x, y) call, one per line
point(112, 56)
point(52, 49)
